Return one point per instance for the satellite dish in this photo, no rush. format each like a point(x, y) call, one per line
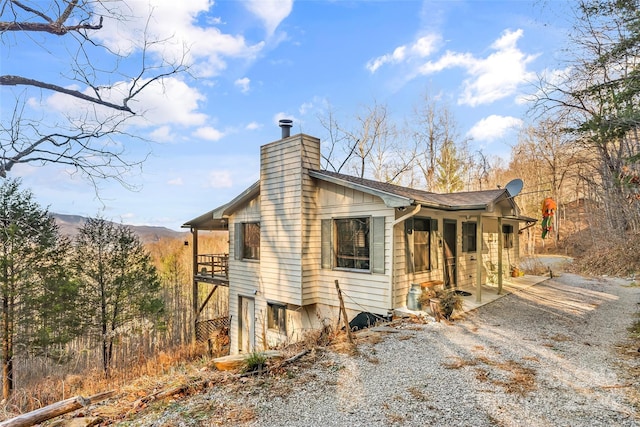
point(514, 187)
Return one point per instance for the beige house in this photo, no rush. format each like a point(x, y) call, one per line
point(299, 229)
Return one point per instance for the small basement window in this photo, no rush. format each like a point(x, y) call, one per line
point(277, 317)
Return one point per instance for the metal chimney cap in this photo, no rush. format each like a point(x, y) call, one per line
point(286, 125)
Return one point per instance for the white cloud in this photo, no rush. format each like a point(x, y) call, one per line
point(271, 12)
point(203, 46)
point(219, 179)
point(162, 134)
point(489, 79)
point(253, 126)
point(173, 102)
point(176, 181)
point(244, 84)
point(492, 78)
point(493, 127)
point(421, 48)
point(306, 107)
point(498, 75)
point(162, 104)
point(209, 133)
point(279, 116)
point(448, 60)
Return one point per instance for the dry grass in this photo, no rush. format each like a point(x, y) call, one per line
point(533, 266)
point(394, 418)
point(459, 363)
point(560, 338)
point(512, 376)
point(613, 256)
point(51, 389)
point(418, 394)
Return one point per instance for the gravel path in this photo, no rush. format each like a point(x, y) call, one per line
point(549, 355)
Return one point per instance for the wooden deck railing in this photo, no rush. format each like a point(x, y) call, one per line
point(213, 265)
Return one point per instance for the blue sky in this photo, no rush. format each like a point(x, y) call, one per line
point(255, 62)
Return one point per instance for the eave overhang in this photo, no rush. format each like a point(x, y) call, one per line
point(390, 200)
point(217, 218)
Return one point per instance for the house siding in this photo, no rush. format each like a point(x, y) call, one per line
point(280, 221)
point(362, 291)
point(291, 208)
point(244, 275)
point(403, 278)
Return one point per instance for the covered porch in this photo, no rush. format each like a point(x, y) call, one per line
point(490, 291)
point(210, 276)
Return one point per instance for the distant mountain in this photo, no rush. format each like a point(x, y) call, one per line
point(69, 225)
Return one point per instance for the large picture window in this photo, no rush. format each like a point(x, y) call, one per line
point(251, 240)
point(352, 243)
point(469, 233)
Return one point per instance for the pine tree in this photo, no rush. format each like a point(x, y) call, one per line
point(120, 282)
point(34, 282)
point(449, 169)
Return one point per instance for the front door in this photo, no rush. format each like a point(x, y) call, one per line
point(247, 325)
point(449, 233)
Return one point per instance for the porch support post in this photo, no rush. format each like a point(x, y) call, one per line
point(194, 302)
point(500, 244)
point(393, 274)
point(479, 259)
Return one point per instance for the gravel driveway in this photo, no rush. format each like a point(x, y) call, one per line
point(549, 355)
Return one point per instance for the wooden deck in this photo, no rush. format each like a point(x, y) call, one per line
point(213, 268)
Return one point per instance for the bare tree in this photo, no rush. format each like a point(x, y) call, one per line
point(371, 132)
point(428, 136)
point(600, 94)
point(441, 154)
point(369, 148)
point(334, 143)
point(550, 160)
point(79, 120)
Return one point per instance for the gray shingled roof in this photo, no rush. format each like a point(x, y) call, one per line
point(393, 195)
point(453, 201)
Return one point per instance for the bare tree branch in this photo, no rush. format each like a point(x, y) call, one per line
point(87, 139)
point(18, 80)
point(52, 26)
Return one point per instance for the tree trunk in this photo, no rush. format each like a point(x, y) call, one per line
point(7, 351)
point(54, 410)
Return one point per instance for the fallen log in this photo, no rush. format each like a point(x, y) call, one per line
point(294, 358)
point(238, 361)
point(55, 410)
